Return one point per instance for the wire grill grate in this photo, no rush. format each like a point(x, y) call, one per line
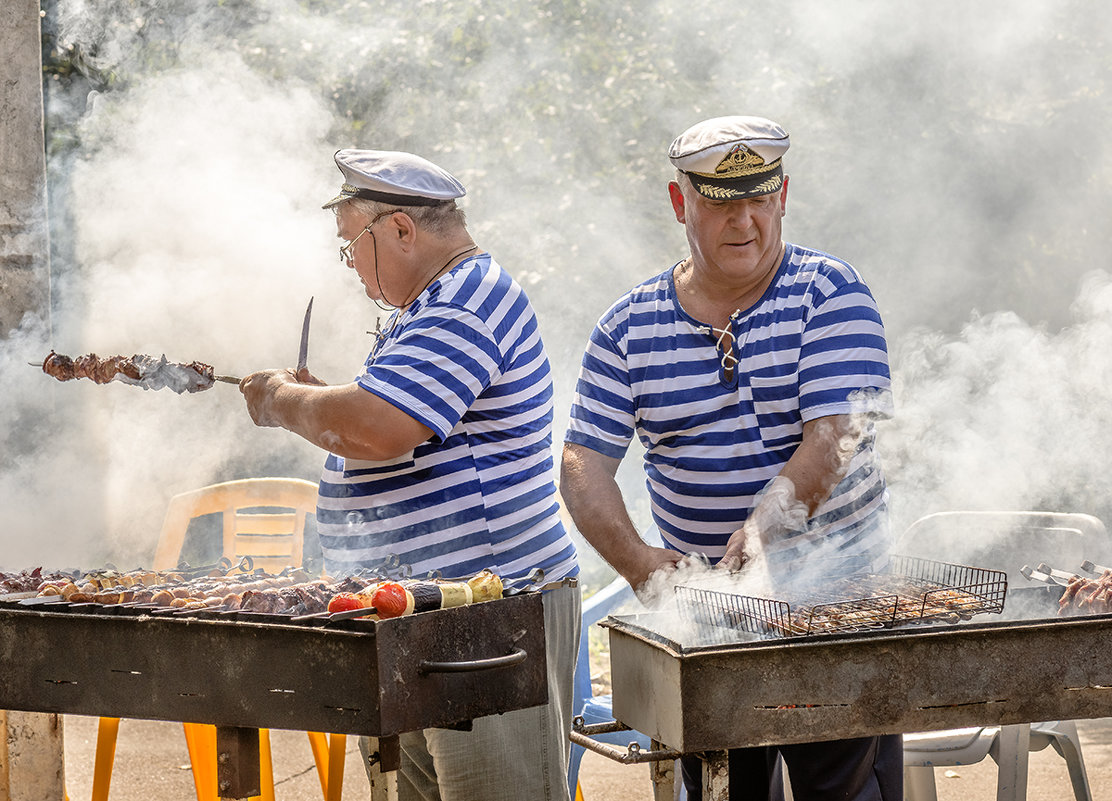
point(910, 590)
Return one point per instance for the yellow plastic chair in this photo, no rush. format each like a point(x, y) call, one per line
point(251, 525)
point(264, 519)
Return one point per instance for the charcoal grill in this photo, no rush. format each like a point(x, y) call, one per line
point(709, 698)
point(246, 671)
point(746, 681)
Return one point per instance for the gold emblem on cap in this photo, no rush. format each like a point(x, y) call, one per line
point(348, 189)
point(740, 162)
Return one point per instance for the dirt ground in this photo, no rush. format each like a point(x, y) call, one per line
point(152, 762)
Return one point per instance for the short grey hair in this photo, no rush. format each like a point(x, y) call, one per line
point(437, 220)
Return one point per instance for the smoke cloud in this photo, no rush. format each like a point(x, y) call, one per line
point(954, 153)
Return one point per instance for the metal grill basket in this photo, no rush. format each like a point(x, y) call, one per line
point(909, 591)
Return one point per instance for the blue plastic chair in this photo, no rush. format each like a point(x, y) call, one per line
point(596, 709)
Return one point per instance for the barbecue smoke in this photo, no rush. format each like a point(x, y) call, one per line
point(954, 154)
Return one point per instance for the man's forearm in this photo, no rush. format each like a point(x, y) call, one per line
point(344, 419)
point(802, 486)
point(820, 461)
point(594, 501)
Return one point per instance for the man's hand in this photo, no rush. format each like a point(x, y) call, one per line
point(738, 552)
point(259, 390)
point(648, 563)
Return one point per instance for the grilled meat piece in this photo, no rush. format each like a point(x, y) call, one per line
point(1085, 596)
point(147, 372)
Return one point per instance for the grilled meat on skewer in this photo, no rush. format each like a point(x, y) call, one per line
point(139, 370)
point(28, 580)
point(1087, 596)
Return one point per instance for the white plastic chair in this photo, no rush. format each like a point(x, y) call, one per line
point(1061, 539)
point(1008, 540)
point(1004, 744)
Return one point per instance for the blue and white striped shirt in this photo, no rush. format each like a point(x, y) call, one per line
point(811, 347)
point(465, 359)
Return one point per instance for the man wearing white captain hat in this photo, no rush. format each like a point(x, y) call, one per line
point(751, 371)
point(440, 452)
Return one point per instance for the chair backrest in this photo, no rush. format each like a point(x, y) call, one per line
point(1008, 540)
point(263, 518)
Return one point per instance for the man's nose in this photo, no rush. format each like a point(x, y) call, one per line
point(740, 214)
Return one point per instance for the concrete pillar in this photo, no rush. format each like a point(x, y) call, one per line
point(24, 238)
point(31, 765)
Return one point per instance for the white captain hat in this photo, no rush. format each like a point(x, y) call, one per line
point(732, 157)
point(390, 176)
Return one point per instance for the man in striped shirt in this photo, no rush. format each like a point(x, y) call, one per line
point(750, 371)
point(440, 452)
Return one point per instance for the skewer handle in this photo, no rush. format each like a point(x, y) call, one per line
point(226, 379)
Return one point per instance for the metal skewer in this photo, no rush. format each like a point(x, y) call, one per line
point(223, 379)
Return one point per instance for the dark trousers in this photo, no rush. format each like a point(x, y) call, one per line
point(864, 769)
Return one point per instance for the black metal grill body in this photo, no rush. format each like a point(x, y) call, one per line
point(810, 689)
point(377, 678)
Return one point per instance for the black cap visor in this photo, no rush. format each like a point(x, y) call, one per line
point(763, 183)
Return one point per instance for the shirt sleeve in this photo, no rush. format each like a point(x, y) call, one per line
point(843, 365)
point(602, 412)
point(436, 368)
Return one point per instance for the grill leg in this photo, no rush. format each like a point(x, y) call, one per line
point(663, 775)
point(237, 762)
point(716, 776)
point(385, 759)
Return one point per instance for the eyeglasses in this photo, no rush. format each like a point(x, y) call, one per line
point(345, 251)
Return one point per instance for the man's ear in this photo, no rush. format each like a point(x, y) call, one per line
point(676, 194)
point(404, 228)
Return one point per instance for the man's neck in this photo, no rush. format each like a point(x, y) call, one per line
point(713, 301)
point(439, 260)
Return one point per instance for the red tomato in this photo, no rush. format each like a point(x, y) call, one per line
point(390, 599)
point(343, 602)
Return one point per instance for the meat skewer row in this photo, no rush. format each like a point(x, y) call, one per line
point(150, 586)
point(139, 370)
point(270, 594)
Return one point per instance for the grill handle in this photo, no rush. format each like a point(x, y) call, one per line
point(514, 657)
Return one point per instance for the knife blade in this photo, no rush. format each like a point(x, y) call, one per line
point(303, 351)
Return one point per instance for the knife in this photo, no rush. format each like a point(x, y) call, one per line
point(303, 351)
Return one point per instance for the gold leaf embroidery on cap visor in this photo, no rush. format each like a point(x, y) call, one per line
point(771, 185)
point(727, 193)
point(718, 192)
